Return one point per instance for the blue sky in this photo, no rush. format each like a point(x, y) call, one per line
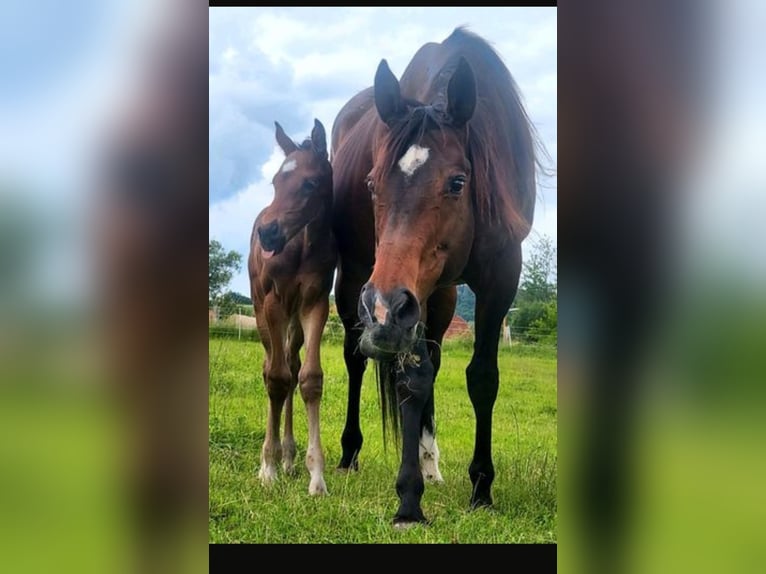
point(294, 64)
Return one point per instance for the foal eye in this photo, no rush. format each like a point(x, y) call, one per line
point(456, 184)
point(310, 185)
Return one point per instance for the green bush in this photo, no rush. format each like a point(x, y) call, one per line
point(536, 322)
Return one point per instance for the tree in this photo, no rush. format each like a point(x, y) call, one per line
point(536, 315)
point(221, 268)
point(240, 299)
point(538, 275)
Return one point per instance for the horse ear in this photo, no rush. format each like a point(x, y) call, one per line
point(388, 98)
point(319, 139)
point(288, 146)
point(461, 94)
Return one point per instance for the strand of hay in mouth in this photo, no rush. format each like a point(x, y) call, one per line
point(406, 359)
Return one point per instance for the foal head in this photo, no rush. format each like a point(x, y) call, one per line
point(420, 186)
point(302, 189)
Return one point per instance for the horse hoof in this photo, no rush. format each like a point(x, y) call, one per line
point(433, 478)
point(344, 468)
point(318, 488)
point(267, 475)
point(407, 523)
point(481, 502)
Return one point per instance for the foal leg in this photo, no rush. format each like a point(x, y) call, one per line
point(347, 291)
point(288, 439)
point(277, 379)
point(441, 307)
point(310, 379)
point(294, 342)
point(414, 388)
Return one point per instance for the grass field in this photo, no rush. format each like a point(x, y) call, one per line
point(361, 505)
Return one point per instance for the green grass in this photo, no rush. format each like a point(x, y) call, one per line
point(361, 504)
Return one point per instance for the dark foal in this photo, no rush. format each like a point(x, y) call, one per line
point(434, 186)
point(291, 264)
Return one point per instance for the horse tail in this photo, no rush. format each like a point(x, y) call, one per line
point(385, 373)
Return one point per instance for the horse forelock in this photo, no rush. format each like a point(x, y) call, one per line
point(500, 140)
point(408, 131)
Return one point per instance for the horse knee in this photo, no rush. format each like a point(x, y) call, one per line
point(278, 384)
point(410, 482)
point(483, 381)
point(311, 383)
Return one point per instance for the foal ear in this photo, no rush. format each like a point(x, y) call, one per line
point(461, 94)
point(388, 97)
point(288, 146)
point(319, 139)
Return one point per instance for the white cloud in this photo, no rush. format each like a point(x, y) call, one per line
point(231, 221)
point(297, 64)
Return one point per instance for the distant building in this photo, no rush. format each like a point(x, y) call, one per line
point(458, 328)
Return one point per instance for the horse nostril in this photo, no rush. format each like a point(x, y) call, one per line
point(405, 308)
point(366, 304)
point(270, 231)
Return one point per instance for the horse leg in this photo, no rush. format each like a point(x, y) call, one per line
point(347, 291)
point(310, 379)
point(441, 307)
point(295, 340)
point(277, 379)
point(414, 388)
point(493, 299)
point(288, 439)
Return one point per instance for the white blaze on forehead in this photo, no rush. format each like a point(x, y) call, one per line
point(413, 159)
point(288, 166)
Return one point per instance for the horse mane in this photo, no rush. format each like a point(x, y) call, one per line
point(501, 141)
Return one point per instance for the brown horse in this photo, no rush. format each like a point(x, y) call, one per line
point(434, 186)
point(291, 264)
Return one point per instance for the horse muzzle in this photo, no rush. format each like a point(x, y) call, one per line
point(272, 238)
point(390, 322)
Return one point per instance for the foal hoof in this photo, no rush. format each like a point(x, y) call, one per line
point(317, 487)
point(267, 475)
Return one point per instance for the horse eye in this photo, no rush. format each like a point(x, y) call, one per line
point(310, 184)
point(370, 186)
point(456, 184)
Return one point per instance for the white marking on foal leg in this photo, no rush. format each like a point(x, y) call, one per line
point(288, 442)
point(429, 457)
point(413, 159)
point(270, 456)
point(314, 454)
point(289, 166)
